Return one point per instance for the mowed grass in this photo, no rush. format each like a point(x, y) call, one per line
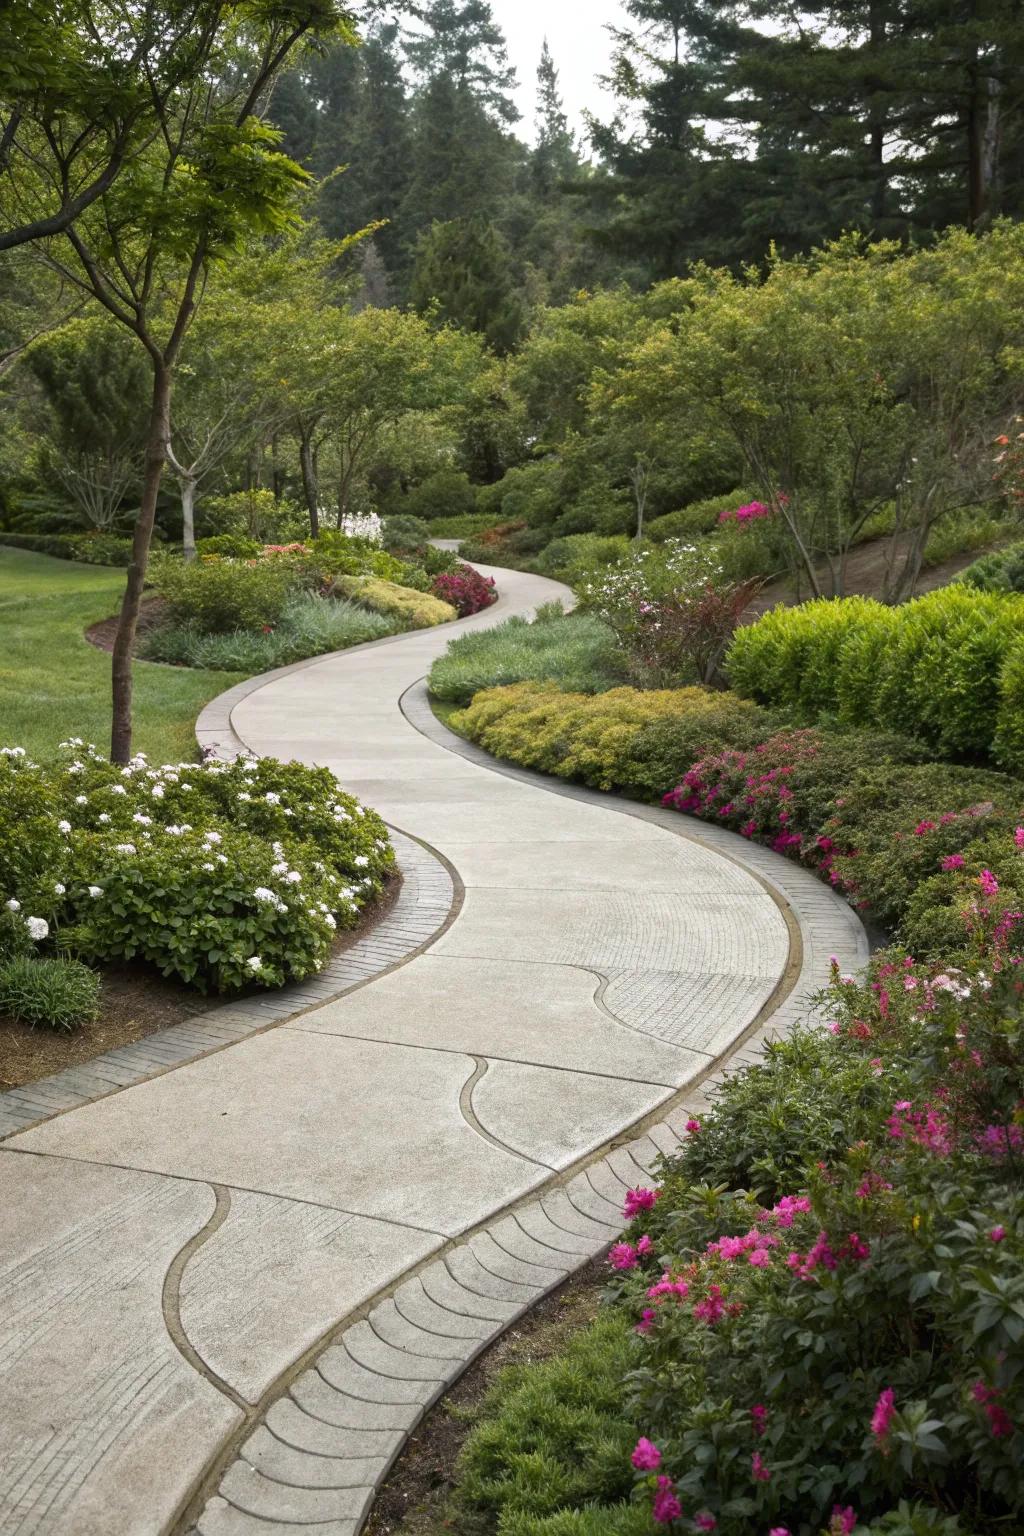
point(54, 684)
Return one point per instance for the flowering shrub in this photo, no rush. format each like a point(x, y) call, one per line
point(672, 610)
point(906, 841)
point(749, 512)
point(465, 589)
point(222, 874)
point(825, 1339)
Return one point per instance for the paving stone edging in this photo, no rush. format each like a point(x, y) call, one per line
point(324, 1446)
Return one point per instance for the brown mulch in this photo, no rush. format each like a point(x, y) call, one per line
point(865, 577)
point(152, 614)
point(414, 1499)
point(135, 1001)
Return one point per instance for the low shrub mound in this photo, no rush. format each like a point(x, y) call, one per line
point(618, 739)
point(465, 590)
point(576, 651)
point(309, 625)
point(86, 548)
point(945, 668)
point(224, 875)
point(1001, 571)
point(814, 1321)
point(410, 609)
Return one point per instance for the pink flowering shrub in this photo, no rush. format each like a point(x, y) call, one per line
point(466, 590)
point(823, 1289)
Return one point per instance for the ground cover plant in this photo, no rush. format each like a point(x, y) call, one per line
point(223, 875)
point(578, 652)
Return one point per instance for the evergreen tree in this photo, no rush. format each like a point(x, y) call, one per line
point(554, 158)
point(464, 273)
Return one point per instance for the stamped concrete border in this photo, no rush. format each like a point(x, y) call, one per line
point(328, 1432)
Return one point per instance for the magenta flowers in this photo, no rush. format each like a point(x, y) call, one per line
point(646, 1457)
point(882, 1417)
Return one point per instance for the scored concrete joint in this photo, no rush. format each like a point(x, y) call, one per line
point(339, 1211)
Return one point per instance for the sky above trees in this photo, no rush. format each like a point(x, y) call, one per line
point(575, 30)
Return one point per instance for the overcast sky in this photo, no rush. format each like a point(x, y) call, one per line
point(575, 30)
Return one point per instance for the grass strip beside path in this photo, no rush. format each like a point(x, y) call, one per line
point(54, 684)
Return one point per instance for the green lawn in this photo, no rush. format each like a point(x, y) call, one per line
point(54, 684)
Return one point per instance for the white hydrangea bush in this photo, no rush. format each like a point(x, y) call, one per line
point(222, 874)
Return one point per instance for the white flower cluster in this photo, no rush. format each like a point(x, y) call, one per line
point(38, 927)
point(369, 527)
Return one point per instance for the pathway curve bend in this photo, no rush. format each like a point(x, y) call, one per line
point(233, 1289)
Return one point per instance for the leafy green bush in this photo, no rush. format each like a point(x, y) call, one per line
point(553, 1435)
point(410, 609)
point(931, 668)
point(959, 533)
point(223, 874)
point(576, 651)
point(1001, 571)
point(88, 548)
point(598, 738)
point(403, 532)
point(237, 546)
point(51, 991)
point(447, 494)
point(256, 514)
point(218, 596)
point(698, 518)
point(464, 525)
point(581, 557)
point(309, 626)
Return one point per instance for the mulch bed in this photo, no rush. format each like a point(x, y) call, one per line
point(414, 1501)
point(152, 614)
point(136, 1001)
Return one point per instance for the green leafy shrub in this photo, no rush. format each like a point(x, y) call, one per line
point(404, 533)
point(1008, 745)
point(931, 668)
point(309, 626)
point(236, 546)
point(218, 596)
point(1001, 571)
point(101, 549)
point(222, 874)
point(577, 652)
point(88, 548)
point(581, 557)
point(447, 494)
point(410, 609)
point(256, 514)
point(595, 738)
point(552, 1436)
point(700, 517)
point(464, 525)
point(51, 991)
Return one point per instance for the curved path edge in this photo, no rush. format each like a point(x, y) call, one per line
point(329, 1433)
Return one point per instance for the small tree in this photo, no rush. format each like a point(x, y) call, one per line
point(191, 173)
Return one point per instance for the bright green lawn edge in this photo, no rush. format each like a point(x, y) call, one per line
point(54, 684)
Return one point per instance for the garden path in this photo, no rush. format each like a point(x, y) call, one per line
point(177, 1252)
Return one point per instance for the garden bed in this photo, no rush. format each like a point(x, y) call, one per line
point(135, 1001)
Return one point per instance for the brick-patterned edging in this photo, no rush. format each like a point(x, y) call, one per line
point(328, 1433)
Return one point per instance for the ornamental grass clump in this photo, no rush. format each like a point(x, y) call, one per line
point(575, 651)
point(223, 874)
point(50, 991)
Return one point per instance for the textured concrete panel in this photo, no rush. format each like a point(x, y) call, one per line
point(327, 1109)
point(103, 1424)
point(277, 1275)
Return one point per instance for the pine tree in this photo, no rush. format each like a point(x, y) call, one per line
point(554, 158)
point(464, 271)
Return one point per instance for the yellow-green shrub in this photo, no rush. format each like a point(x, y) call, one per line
point(599, 738)
point(418, 610)
point(931, 668)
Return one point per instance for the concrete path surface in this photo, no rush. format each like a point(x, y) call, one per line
point(286, 1247)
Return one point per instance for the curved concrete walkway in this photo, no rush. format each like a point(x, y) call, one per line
point(179, 1255)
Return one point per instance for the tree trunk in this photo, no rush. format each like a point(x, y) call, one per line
point(188, 517)
point(157, 436)
point(307, 464)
